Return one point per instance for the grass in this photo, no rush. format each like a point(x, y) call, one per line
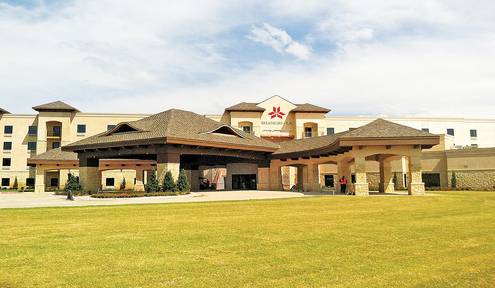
point(437, 241)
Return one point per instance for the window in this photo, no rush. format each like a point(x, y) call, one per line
point(308, 132)
point(6, 162)
point(31, 146)
point(450, 131)
point(474, 145)
point(54, 182)
point(427, 130)
point(330, 131)
point(473, 133)
point(56, 131)
point(29, 182)
point(110, 182)
point(8, 129)
point(246, 129)
point(81, 128)
point(5, 182)
point(32, 130)
point(55, 145)
point(7, 146)
point(110, 127)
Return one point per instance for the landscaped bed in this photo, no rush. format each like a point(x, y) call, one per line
point(132, 194)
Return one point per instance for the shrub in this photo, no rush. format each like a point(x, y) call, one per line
point(169, 183)
point(15, 186)
point(453, 181)
point(183, 182)
point(72, 184)
point(122, 184)
point(152, 185)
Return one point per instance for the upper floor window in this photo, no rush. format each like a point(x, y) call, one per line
point(7, 145)
point(308, 132)
point(330, 131)
point(81, 128)
point(31, 146)
point(55, 145)
point(450, 131)
point(473, 133)
point(247, 129)
point(6, 162)
point(427, 130)
point(32, 130)
point(8, 129)
point(56, 131)
point(110, 127)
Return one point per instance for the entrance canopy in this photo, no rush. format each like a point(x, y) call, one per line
point(377, 133)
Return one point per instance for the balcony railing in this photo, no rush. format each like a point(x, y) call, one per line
point(54, 134)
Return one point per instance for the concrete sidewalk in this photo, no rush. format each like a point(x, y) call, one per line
point(30, 200)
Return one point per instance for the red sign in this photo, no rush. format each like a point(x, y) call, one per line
point(276, 113)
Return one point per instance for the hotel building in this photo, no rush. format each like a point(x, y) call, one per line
point(297, 140)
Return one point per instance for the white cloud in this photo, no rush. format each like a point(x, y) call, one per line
point(400, 57)
point(279, 40)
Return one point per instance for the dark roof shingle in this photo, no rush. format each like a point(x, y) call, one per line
point(175, 125)
point(55, 106)
point(55, 155)
point(3, 111)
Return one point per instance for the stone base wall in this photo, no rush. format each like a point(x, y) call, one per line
point(373, 181)
point(473, 179)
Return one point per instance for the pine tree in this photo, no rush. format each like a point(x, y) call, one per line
point(183, 182)
point(152, 185)
point(72, 183)
point(122, 184)
point(453, 181)
point(169, 183)
point(15, 186)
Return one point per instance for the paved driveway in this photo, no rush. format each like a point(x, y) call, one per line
point(29, 199)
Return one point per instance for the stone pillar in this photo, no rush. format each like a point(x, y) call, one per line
point(263, 181)
point(343, 169)
point(300, 178)
point(195, 179)
point(167, 162)
point(386, 177)
point(415, 185)
point(312, 177)
point(63, 176)
point(361, 185)
point(39, 181)
point(139, 186)
point(275, 177)
point(89, 175)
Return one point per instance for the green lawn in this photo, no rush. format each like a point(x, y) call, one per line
point(437, 241)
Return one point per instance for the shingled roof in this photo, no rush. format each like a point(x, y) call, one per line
point(378, 129)
point(252, 107)
point(55, 106)
point(175, 127)
point(54, 155)
point(245, 106)
point(3, 111)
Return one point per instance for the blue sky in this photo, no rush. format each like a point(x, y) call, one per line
point(369, 57)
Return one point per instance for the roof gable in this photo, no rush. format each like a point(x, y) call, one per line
point(3, 111)
point(55, 106)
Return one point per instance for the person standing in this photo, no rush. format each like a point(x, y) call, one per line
point(343, 184)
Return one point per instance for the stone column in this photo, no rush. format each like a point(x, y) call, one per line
point(167, 162)
point(361, 185)
point(415, 185)
point(343, 169)
point(312, 177)
point(139, 186)
point(194, 180)
point(275, 177)
point(263, 181)
point(300, 178)
point(386, 177)
point(89, 175)
point(39, 181)
point(63, 176)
